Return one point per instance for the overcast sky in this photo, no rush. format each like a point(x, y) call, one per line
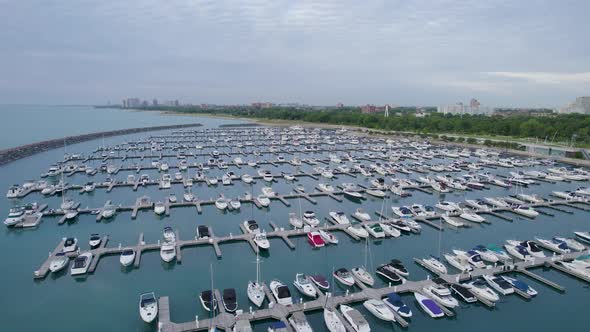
point(402, 52)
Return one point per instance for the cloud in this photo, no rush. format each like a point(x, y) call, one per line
point(546, 77)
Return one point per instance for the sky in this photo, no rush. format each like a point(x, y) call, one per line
point(525, 53)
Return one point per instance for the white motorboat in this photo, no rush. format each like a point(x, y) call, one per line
point(554, 245)
point(261, 241)
point(81, 264)
point(486, 254)
point(526, 211)
point(375, 193)
point(517, 251)
point(478, 205)
point(451, 221)
point(496, 202)
point(435, 265)
point(304, 285)
point(472, 257)
point(520, 285)
point(375, 231)
point(221, 203)
point(458, 262)
point(429, 305)
point(247, 178)
point(530, 246)
point(188, 196)
point(402, 212)
point(471, 216)
point(358, 231)
point(235, 204)
point(268, 192)
point(584, 236)
point(168, 251)
point(354, 318)
point(441, 295)
point(281, 292)
point(59, 262)
point(499, 284)
point(263, 200)
point(70, 245)
point(127, 257)
point(94, 241)
point(479, 288)
point(343, 276)
point(571, 243)
point(295, 221)
point(310, 218)
point(363, 275)
point(362, 215)
point(169, 235)
point(352, 193)
point(379, 310)
point(326, 187)
point(448, 206)
point(389, 230)
point(395, 303)
point(108, 210)
point(15, 215)
point(299, 322)
point(332, 321)
point(148, 307)
point(328, 236)
point(159, 208)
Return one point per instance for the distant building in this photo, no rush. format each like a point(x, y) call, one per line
point(131, 102)
point(459, 108)
point(368, 109)
point(580, 105)
point(263, 105)
point(176, 103)
point(155, 102)
point(340, 105)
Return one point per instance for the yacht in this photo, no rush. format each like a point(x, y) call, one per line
point(165, 181)
point(59, 262)
point(554, 245)
point(159, 208)
point(584, 236)
point(448, 206)
point(363, 275)
point(435, 265)
point(247, 178)
point(304, 285)
point(354, 318)
point(168, 251)
point(332, 321)
point(451, 221)
point(395, 303)
point(94, 241)
point(344, 277)
point(281, 292)
point(261, 241)
point(127, 257)
point(520, 285)
point(499, 252)
point(399, 268)
point(479, 288)
point(229, 299)
point(375, 231)
point(70, 245)
point(472, 257)
point(188, 197)
point(442, 295)
point(499, 284)
point(263, 200)
point(328, 237)
point(464, 293)
point(326, 187)
point(571, 243)
point(362, 215)
point(320, 281)
point(108, 210)
point(517, 251)
point(148, 307)
point(485, 253)
point(471, 216)
point(15, 215)
point(429, 306)
point(299, 322)
point(169, 235)
point(458, 262)
point(530, 246)
point(402, 212)
point(89, 187)
point(251, 226)
point(221, 203)
point(526, 211)
point(310, 218)
point(389, 230)
point(358, 231)
point(379, 310)
point(268, 192)
point(81, 264)
point(202, 232)
point(387, 272)
point(208, 301)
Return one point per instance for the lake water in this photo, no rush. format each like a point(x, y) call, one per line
point(107, 299)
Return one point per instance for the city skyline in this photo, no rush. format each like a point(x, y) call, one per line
point(317, 53)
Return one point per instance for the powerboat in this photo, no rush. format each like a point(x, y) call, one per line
point(435, 265)
point(251, 226)
point(399, 267)
point(281, 292)
point(442, 295)
point(471, 216)
point(571, 243)
point(479, 288)
point(375, 231)
point(304, 285)
point(221, 203)
point(387, 272)
point(499, 252)
point(448, 206)
point(148, 307)
point(584, 236)
point(263, 200)
point(81, 264)
point(458, 262)
point(328, 236)
point(14, 216)
point(268, 192)
point(261, 241)
point(358, 231)
point(451, 221)
point(429, 306)
point(59, 262)
point(486, 254)
point(478, 205)
point(499, 284)
point(299, 322)
point(169, 235)
point(402, 212)
point(354, 318)
point(127, 257)
point(344, 277)
point(530, 246)
point(554, 245)
point(203, 232)
point(229, 299)
point(464, 293)
point(159, 208)
point(472, 258)
point(332, 321)
point(247, 178)
point(526, 211)
point(379, 310)
point(326, 187)
point(108, 210)
point(208, 301)
point(339, 217)
point(315, 239)
point(235, 203)
point(521, 285)
point(310, 218)
point(389, 230)
point(168, 252)
point(363, 275)
point(94, 241)
point(320, 281)
point(70, 245)
point(395, 303)
point(362, 215)
point(188, 196)
point(517, 251)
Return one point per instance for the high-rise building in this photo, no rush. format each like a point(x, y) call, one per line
point(580, 105)
point(155, 102)
point(474, 108)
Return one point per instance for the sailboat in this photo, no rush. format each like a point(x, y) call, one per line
point(361, 272)
point(255, 289)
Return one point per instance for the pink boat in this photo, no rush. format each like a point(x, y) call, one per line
point(315, 239)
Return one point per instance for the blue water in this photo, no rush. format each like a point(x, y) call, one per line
point(107, 299)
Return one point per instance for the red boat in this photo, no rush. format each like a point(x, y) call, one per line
point(315, 239)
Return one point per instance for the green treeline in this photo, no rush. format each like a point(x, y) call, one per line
point(556, 127)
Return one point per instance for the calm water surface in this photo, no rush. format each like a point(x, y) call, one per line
point(107, 299)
